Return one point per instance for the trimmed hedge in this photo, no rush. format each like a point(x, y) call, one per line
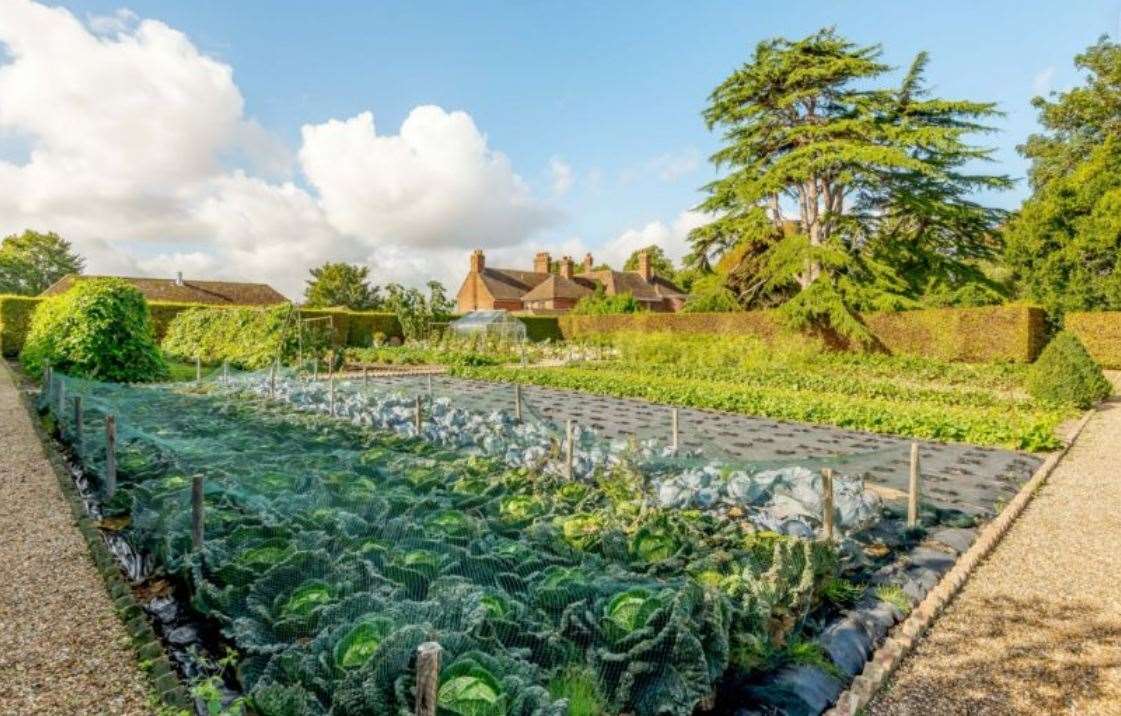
point(15, 322)
point(1065, 374)
point(1100, 332)
point(541, 328)
point(357, 328)
point(990, 333)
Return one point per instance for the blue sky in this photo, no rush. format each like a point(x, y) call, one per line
point(612, 91)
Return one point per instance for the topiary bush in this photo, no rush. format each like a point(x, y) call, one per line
point(100, 329)
point(1065, 373)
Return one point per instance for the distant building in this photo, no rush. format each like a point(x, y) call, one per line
point(179, 290)
point(541, 291)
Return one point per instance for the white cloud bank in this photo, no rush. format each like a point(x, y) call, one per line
point(131, 131)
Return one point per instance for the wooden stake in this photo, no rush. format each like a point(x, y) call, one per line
point(517, 401)
point(315, 369)
point(226, 372)
point(674, 421)
point(61, 399)
point(332, 386)
point(827, 503)
point(197, 515)
point(570, 438)
point(913, 488)
point(272, 380)
point(416, 416)
point(110, 456)
point(77, 419)
point(365, 375)
point(427, 677)
point(429, 385)
point(198, 369)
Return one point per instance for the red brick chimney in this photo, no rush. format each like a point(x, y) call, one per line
point(478, 262)
point(644, 268)
point(566, 267)
point(541, 262)
point(588, 263)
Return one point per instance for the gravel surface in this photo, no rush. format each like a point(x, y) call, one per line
point(62, 648)
point(1037, 628)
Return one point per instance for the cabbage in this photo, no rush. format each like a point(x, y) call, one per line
point(359, 644)
point(628, 612)
point(654, 544)
point(467, 689)
point(520, 508)
point(580, 530)
point(306, 599)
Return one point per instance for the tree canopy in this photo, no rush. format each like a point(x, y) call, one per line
point(416, 311)
point(660, 264)
point(838, 196)
point(1064, 248)
point(341, 284)
point(30, 262)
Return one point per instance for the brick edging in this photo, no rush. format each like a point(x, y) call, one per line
point(905, 635)
point(159, 673)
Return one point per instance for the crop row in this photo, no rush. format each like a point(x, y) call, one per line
point(998, 426)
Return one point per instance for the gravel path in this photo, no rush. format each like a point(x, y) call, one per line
point(62, 648)
point(1037, 628)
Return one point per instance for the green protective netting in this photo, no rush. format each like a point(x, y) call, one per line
point(333, 550)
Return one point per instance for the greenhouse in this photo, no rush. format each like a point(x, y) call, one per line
point(496, 325)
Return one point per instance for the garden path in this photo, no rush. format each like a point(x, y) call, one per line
point(1037, 628)
point(62, 648)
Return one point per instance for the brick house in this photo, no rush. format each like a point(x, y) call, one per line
point(543, 291)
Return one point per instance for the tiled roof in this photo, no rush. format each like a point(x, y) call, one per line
point(557, 286)
point(190, 291)
point(616, 282)
point(511, 283)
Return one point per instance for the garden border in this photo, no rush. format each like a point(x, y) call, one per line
point(906, 634)
point(161, 676)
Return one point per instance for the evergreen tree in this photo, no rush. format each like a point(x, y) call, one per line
point(341, 284)
point(30, 262)
point(838, 196)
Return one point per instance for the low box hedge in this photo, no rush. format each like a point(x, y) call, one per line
point(990, 333)
point(1100, 332)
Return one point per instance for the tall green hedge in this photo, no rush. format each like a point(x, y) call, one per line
point(99, 329)
point(990, 333)
point(15, 321)
point(1100, 332)
point(246, 337)
point(541, 328)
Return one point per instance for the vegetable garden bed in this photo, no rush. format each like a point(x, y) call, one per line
point(338, 538)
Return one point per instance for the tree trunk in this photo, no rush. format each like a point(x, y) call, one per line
point(812, 220)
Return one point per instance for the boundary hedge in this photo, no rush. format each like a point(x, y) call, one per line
point(352, 328)
point(541, 328)
point(990, 333)
point(1100, 332)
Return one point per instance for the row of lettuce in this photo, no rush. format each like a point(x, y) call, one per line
point(332, 552)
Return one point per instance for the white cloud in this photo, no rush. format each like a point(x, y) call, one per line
point(1044, 81)
point(562, 175)
point(673, 238)
point(668, 167)
point(131, 133)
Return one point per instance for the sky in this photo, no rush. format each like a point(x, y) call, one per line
point(254, 140)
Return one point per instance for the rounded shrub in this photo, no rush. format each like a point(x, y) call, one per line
point(1065, 373)
point(100, 329)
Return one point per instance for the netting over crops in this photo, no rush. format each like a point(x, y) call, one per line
point(339, 537)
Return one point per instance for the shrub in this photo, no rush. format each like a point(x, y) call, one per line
point(600, 304)
point(99, 329)
point(246, 337)
point(1065, 373)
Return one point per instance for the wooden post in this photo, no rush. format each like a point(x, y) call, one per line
point(517, 401)
point(77, 400)
point(913, 488)
point(827, 503)
point(570, 438)
point(429, 386)
point(110, 456)
point(365, 376)
point(674, 421)
point(197, 515)
point(427, 677)
point(198, 369)
point(226, 372)
point(331, 383)
point(416, 415)
point(315, 369)
point(522, 344)
point(61, 399)
point(272, 380)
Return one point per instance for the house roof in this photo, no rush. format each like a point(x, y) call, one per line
point(190, 291)
point(511, 283)
point(616, 282)
point(557, 286)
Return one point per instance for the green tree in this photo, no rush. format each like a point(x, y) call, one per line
point(341, 284)
point(659, 262)
point(838, 196)
point(1064, 247)
point(417, 312)
point(600, 304)
point(30, 262)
